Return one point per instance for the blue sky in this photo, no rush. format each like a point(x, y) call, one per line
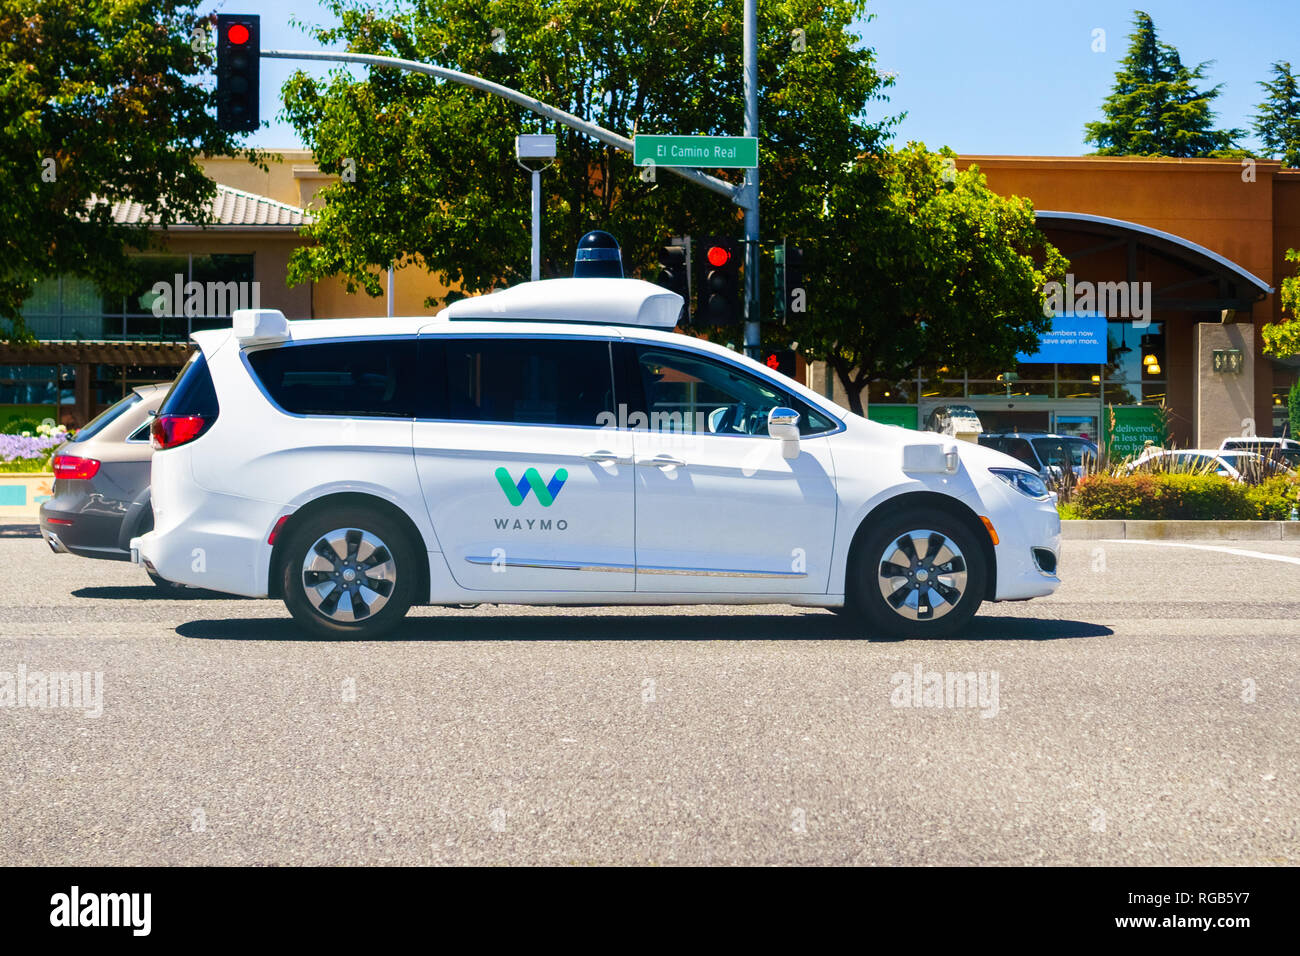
point(991, 76)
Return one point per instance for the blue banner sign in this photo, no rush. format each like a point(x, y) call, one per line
point(1074, 339)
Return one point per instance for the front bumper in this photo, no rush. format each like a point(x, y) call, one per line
point(1023, 527)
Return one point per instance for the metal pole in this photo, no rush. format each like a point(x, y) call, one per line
point(537, 224)
point(390, 290)
point(753, 339)
point(730, 190)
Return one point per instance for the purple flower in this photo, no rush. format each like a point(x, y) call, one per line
point(19, 448)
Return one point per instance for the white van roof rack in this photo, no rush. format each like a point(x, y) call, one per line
point(598, 301)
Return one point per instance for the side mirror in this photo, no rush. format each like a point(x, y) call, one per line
point(783, 425)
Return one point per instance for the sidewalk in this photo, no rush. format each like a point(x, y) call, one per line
point(1182, 530)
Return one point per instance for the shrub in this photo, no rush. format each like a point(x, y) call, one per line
point(16, 426)
point(1109, 496)
point(1164, 496)
point(1205, 497)
point(1273, 499)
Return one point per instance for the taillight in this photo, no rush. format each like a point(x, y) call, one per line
point(168, 431)
point(70, 466)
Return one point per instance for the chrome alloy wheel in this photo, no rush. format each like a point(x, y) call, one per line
point(348, 574)
point(922, 575)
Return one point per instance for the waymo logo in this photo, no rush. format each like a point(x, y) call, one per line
point(546, 492)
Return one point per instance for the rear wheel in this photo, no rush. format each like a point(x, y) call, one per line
point(349, 573)
point(919, 573)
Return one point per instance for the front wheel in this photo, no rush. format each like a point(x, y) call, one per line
point(919, 573)
point(349, 573)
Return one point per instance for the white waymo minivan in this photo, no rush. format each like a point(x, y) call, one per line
point(556, 443)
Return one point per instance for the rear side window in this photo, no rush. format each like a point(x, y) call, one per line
point(366, 379)
point(106, 418)
point(521, 381)
point(193, 392)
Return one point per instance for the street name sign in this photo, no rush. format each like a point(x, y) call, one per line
point(708, 152)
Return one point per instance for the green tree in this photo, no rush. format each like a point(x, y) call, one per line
point(1282, 339)
point(100, 103)
point(1277, 122)
point(1156, 107)
point(917, 263)
point(903, 266)
point(427, 170)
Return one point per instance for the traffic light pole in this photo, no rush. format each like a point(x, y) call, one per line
point(745, 196)
point(730, 190)
point(753, 343)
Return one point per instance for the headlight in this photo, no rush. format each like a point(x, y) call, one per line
point(1025, 482)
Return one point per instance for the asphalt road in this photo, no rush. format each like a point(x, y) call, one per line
point(1145, 714)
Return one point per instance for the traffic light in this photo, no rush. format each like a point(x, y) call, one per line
point(675, 272)
point(782, 360)
point(239, 43)
point(791, 297)
point(719, 286)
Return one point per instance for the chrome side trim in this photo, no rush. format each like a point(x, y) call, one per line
point(642, 569)
point(547, 563)
point(720, 572)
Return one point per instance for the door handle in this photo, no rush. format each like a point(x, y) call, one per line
point(663, 461)
point(606, 458)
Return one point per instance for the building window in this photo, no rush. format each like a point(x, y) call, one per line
point(70, 308)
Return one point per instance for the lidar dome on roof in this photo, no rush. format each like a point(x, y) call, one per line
point(601, 301)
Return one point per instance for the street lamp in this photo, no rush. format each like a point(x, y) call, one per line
point(536, 146)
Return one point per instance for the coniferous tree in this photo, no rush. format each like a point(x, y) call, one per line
point(1278, 121)
point(1157, 107)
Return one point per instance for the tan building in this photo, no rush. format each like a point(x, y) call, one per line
point(94, 348)
point(1198, 244)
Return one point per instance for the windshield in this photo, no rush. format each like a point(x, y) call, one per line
point(1053, 451)
point(106, 418)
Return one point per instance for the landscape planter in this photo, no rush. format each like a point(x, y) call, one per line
point(21, 494)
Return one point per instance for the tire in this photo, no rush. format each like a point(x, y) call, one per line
point(914, 600)
point(341, 551)
point(162, 582)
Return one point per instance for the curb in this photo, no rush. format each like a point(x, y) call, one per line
point(1181, 530)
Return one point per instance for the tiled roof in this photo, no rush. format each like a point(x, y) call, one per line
point(230, 207)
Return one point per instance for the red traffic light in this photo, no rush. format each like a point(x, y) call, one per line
point(237, 34)
point(717, 256)
point(773, 361)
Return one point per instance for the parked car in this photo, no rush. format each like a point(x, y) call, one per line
point(101, 496)
point(555, 443)
point(1046, 452)
point(1284, 450)
point(1237, 465)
